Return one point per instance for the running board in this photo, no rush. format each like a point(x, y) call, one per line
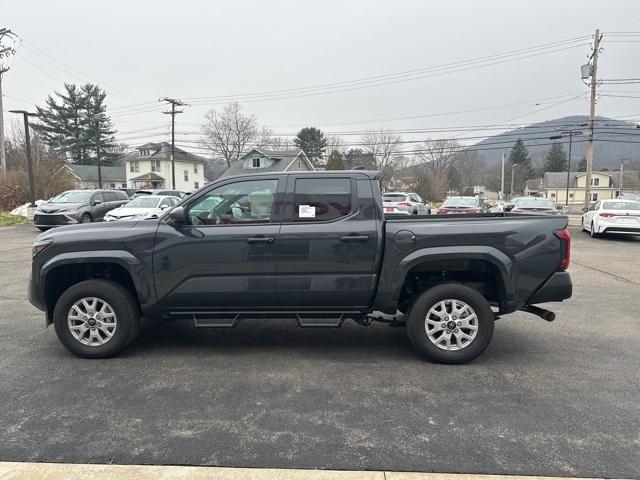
point(315, 320)
point(215, 321)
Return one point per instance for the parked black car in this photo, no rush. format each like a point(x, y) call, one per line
point(312, 246)
point(78, 206)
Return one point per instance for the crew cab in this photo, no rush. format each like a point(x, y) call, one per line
point(310, 246)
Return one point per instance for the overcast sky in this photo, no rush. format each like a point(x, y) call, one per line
point(142, 50)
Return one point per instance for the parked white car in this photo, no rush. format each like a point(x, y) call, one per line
point(146, 206)
point(405, 204)
point(612, 216)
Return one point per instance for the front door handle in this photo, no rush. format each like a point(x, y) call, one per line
point(260, 240)
point(354, 238)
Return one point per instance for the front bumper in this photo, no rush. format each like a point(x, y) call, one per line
point(556, 289)
point(54, 219)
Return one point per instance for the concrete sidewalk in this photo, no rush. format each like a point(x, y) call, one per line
point(62, 471)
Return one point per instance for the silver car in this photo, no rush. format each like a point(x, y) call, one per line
point(405, 204)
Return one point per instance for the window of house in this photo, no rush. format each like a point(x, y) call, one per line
point(595, 182)
point(256, 163)
point(195, 168)
point(319, 200)
point(123, 185)
point(112, 185)
point(134, 166)
point(571, 195)
point(155, 165)
point(553, 195)
point(247, 202)
point(186, 175)
point(299, 164)
point(594, 197)
point(196, 185)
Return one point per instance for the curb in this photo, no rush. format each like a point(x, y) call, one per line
point(66, 471)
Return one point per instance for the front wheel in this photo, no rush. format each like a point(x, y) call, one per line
point(450, 323)
point(85, 218)
point(96, 318)
point(593, 232)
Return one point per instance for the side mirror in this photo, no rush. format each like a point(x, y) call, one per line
point(96, 202)
point(584, 209)
point(177, 216)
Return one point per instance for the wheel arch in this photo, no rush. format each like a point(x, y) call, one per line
point(65, 270)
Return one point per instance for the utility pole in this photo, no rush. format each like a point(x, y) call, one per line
point(27, 139)
point(8, 41)
point(173, 112)
point(592, 114)
point(502, 179)
point(571, 132)
point(98, 159)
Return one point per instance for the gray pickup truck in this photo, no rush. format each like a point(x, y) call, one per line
point(311, 246)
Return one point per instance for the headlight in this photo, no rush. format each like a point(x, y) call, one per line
point(40, 245)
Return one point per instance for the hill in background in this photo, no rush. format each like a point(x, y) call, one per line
point(615, 140)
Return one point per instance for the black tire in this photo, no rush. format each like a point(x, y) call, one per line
point(86, 218)
point(593, 232)
point(124, 307)
point(417, 330)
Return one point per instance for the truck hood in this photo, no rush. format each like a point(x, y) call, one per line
point(98, 229)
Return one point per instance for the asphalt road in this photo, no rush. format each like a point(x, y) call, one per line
point(558, 398)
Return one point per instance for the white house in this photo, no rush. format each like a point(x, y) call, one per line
point(259, 160)
point(150, 167)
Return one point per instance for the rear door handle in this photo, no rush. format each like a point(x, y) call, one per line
point(260, 240)
point(354, 238)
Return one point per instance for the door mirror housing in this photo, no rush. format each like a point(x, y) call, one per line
point(584, 209)
point(97, 201)
point(178, 216)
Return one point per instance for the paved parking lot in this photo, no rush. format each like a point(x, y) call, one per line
point(548, 399)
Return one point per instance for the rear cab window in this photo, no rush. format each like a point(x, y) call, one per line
point(322, 199)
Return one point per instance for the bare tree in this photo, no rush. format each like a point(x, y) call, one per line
point(437, 156)
point(386, 149)
point(228, 133)
point(267, 139)
point(471, 167)
point(335, 144)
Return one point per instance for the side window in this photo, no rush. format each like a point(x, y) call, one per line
point(319, 200)
point(98, 197)
point(242, 203)
point(165, 203)
point(594, 206)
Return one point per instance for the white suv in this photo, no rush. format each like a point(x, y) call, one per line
point(405, 204)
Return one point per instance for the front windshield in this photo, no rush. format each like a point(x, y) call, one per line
point(72, 196)
point(461, 202)
point(144, 202)
point(621, 206)
point(535, 204)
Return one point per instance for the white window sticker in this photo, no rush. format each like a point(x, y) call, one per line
point(306, 211)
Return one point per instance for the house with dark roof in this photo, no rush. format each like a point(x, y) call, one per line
point(150, 167)
point(604, 185)
point(259, 160)
point(86, 176)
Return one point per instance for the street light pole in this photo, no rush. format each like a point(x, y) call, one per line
point(27, 139)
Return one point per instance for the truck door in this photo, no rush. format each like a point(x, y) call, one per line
point(224, 257)
point(328, 243)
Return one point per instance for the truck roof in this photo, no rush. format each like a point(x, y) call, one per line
point(371, 174)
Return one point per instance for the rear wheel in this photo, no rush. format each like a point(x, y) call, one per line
point(96, 318)
point(593, 232)
point(85, 218)
point(450, 323)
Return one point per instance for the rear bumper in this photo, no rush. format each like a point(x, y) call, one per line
point(556, 289)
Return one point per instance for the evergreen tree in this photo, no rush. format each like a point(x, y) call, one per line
point(75, 121)
point(335, 161)
point(312, 142)
point(556, 159)
point(582, 165)
point(519, 156)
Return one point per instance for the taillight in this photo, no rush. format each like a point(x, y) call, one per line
point(515, 210)
point(405, 204)
point(606, 214)
point(472, 210)
point(565, 239)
